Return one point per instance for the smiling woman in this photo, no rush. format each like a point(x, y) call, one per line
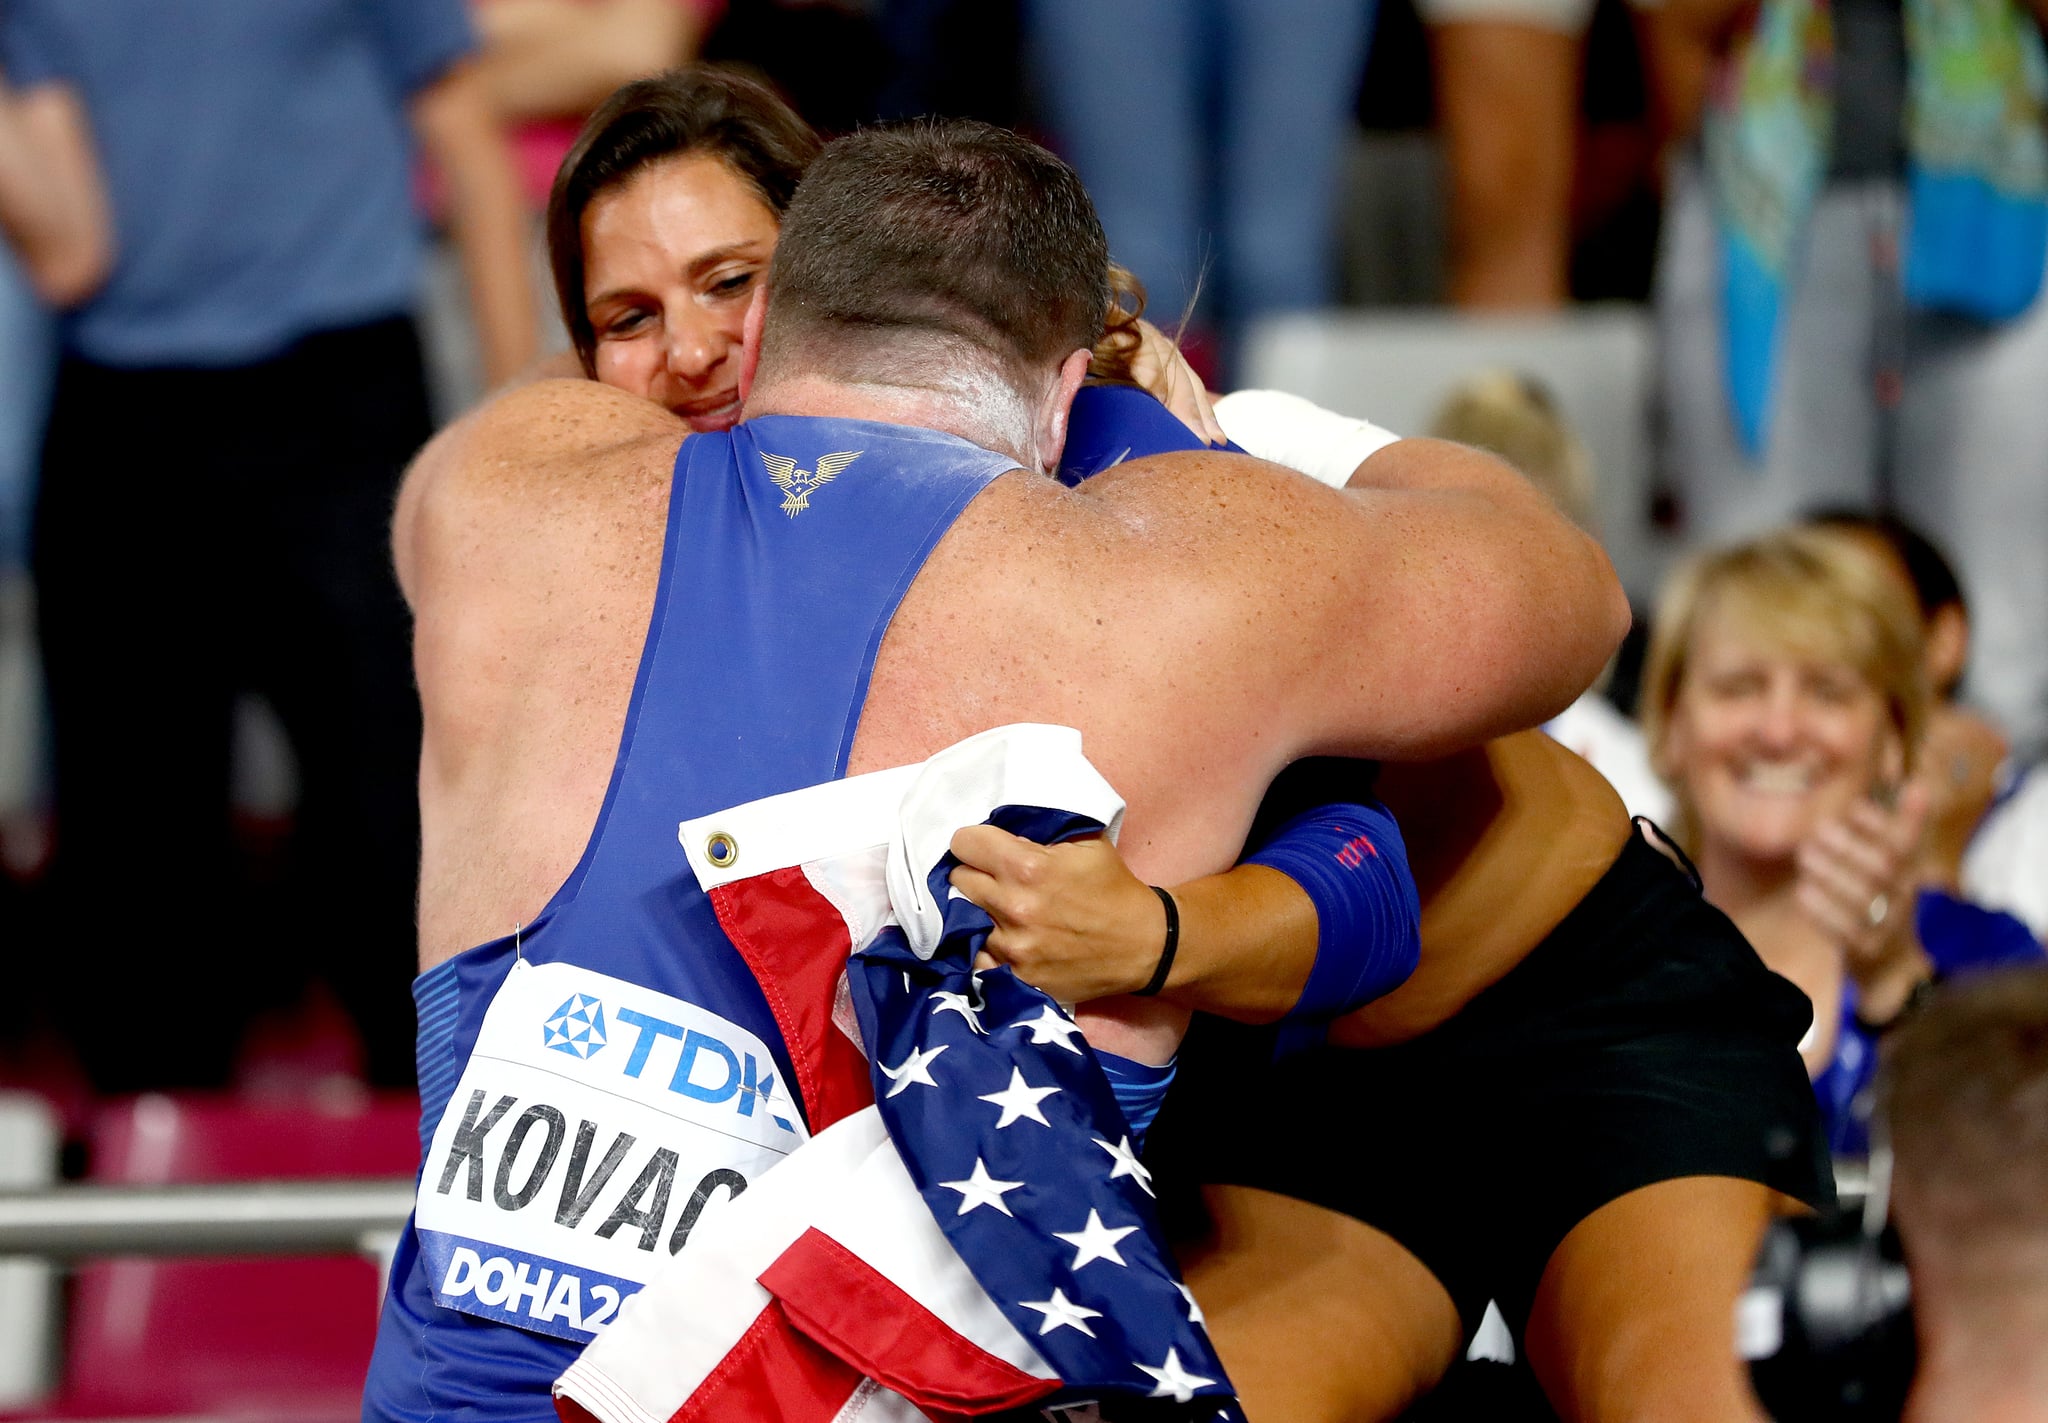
point(1784, 699)
point(660, 226)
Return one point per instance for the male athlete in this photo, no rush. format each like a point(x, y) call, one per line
point(619, 629)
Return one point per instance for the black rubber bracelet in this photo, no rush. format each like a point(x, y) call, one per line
point(1172, 945)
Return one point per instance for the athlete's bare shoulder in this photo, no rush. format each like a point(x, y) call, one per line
point(528, 537)
point(542, 475)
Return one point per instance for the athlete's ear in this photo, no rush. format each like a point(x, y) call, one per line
point(1051, 431)
point(750, 339)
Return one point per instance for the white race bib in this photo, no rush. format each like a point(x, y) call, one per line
point(596, 1124)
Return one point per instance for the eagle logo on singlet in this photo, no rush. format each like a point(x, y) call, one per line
point(797, 484)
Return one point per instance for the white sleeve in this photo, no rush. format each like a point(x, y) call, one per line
point(1300, 434)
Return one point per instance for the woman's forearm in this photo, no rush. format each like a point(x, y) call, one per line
point(486, 215)
point(53, 205)
point(544, 58)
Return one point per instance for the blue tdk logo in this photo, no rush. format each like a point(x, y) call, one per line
point(577, 1027)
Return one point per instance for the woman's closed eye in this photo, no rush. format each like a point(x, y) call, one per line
point(734, 284)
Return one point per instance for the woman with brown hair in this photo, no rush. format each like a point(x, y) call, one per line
point(660, 227)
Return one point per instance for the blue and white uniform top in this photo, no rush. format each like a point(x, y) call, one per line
point(592, 1083)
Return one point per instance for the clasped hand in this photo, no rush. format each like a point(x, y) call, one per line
point(1070, 918)
point(1857, 883)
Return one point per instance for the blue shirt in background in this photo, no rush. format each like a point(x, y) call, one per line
point(258, 159)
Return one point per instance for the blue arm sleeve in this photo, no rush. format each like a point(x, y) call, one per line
point(1352, 864)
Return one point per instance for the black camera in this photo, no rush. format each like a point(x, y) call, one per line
point(1827, 1322)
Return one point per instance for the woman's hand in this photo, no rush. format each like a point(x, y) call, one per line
point(1857, 879)
point(1161, 369)
point(1071, 919)
point(1959, 761)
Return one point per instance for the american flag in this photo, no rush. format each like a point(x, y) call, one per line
point(983, 1239)
point(1010, 1133)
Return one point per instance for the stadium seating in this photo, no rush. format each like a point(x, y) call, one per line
point(234, 1338)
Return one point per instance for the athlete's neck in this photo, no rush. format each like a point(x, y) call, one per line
point(980, 410)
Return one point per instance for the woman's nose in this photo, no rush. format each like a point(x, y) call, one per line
point(1780, 722)
point(693, 349)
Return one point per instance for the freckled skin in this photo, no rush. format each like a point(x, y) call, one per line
point(1161, 609)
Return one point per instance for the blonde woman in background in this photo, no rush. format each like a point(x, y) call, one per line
point(1784, 700)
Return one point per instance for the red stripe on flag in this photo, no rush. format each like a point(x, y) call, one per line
point(775, 1374)
point(835, 1296)
point(795, 941)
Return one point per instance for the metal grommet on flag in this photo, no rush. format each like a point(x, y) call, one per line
point(721, 849)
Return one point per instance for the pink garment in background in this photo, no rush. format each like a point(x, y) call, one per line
point(539, 145)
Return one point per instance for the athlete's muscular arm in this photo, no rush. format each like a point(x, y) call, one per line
point(511, 525)
point(1438, 601)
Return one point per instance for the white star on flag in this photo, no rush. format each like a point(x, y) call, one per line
point(957, 1003)
point(1127, 1163)
point(1175, 1380)
point(915, 1068)
point(1020, 1099)
point(1050, 1027)
point(1061, 1312)
point(981, 1189)
point(1195, 1315)
point(1096, 1241)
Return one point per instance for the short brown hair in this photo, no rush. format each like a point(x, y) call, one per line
point(696, 109)
point(1964, 1090)
point(954, 230)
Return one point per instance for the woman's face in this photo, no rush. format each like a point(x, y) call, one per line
point(1768, 744)
point(671, 258)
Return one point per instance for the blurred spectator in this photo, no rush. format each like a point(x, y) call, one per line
point(547, 63)
point(1848, 291)
point(959, 58)
point(1513, 416)
point(830, 59)
point(1785, 701)
point(2006, 863)
point(1209, 133)
point(1976, 793)
point(54, 219)
point(1507, 102)
point(231, 415)
point(1966, 1100)
point(52, 208)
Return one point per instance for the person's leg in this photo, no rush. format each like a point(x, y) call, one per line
point(334, 656)
point(127, 560)
point(1121, 87)
point(1318, 1318)
point(1507, 114)
point(1289, 72)
point(1972, 471)
point(1824, 424)
point(1635, 1314)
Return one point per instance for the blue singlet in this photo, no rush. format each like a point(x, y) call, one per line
point(776, 586)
